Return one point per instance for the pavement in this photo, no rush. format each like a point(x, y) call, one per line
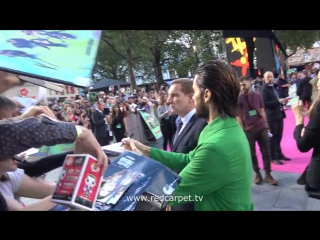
point(286, 196)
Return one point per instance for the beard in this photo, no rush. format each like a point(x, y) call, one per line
point(202, 110)
point(246, 91)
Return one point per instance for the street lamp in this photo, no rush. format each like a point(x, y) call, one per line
point(196, 56)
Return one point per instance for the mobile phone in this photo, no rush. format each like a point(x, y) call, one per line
point(294, 100)
point(106, 111)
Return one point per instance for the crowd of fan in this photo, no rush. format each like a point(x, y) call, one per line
point(79, 109)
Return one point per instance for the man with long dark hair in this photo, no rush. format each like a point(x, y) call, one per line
point(217, 174)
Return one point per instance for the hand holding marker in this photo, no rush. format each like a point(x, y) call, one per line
point(131, 135)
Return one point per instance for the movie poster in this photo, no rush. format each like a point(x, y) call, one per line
point(63, 56)
point(128, 177)
point(152, 123)
point(237, 55)
point(114, 186)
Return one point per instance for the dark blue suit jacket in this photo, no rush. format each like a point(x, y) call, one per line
point(186, 142)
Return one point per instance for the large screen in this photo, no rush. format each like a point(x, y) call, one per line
point(278, 56)
point(62, 56)
point(237, 54)
point(264, 53)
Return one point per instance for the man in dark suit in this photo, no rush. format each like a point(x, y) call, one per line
point(275, 114)
point(100, 122)
point(304, 90)
point(189, 126)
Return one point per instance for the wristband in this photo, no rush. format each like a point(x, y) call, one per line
point(79, 131)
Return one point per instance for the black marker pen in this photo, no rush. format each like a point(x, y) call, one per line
point(131, 135)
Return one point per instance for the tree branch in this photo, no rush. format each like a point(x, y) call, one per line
point(164, 60)
point(291, 54)
point(113, 48)
point(102, 68)
point(152, 52)
point(123, 73)
point(99, 72)
point(135, 58)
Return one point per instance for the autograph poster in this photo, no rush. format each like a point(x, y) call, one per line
point(64, 56)
point(128, 177)
point(152, 123)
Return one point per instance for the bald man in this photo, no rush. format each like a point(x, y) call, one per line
point(275, 114)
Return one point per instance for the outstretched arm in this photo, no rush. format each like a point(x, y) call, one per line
point(42, 205)
point(18, 135)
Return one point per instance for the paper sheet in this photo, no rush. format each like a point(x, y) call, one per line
point(29, 152)
point(114, 148)
point(42, 95)
point(27, 102)
point(293, 101)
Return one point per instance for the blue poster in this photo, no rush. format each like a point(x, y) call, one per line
point(63, 56)
point(128, 177)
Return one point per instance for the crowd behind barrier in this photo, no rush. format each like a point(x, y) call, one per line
point(79, 110)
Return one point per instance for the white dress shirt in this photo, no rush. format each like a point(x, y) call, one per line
point(187, 118)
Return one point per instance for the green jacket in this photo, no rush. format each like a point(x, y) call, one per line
point(217, 174)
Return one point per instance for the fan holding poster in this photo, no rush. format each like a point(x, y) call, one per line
point(63, 56)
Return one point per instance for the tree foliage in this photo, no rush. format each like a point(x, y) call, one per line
point(146, 54)
point(109, 64)
point(294, 39)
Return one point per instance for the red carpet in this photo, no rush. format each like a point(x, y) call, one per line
point(299, 160)
point(289, 148)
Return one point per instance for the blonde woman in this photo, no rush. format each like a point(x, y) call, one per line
point(166, 122)
point(307, 138)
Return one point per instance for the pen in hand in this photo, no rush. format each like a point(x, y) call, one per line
point(131, 135)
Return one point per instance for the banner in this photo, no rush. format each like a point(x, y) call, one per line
point(152, 123)
point(130, 176)
point(63, 56)
point(291, 70)
point(57, 149)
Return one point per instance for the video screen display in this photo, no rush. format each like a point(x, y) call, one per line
point(237, 54)
point(264, 53)
point(62, 56)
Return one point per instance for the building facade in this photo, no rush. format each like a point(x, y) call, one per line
point(304, 57)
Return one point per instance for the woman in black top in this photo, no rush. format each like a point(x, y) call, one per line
point(90, 114)
point(308, 137)
point(283, 86)
point(119, 126)
point(166, 121)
